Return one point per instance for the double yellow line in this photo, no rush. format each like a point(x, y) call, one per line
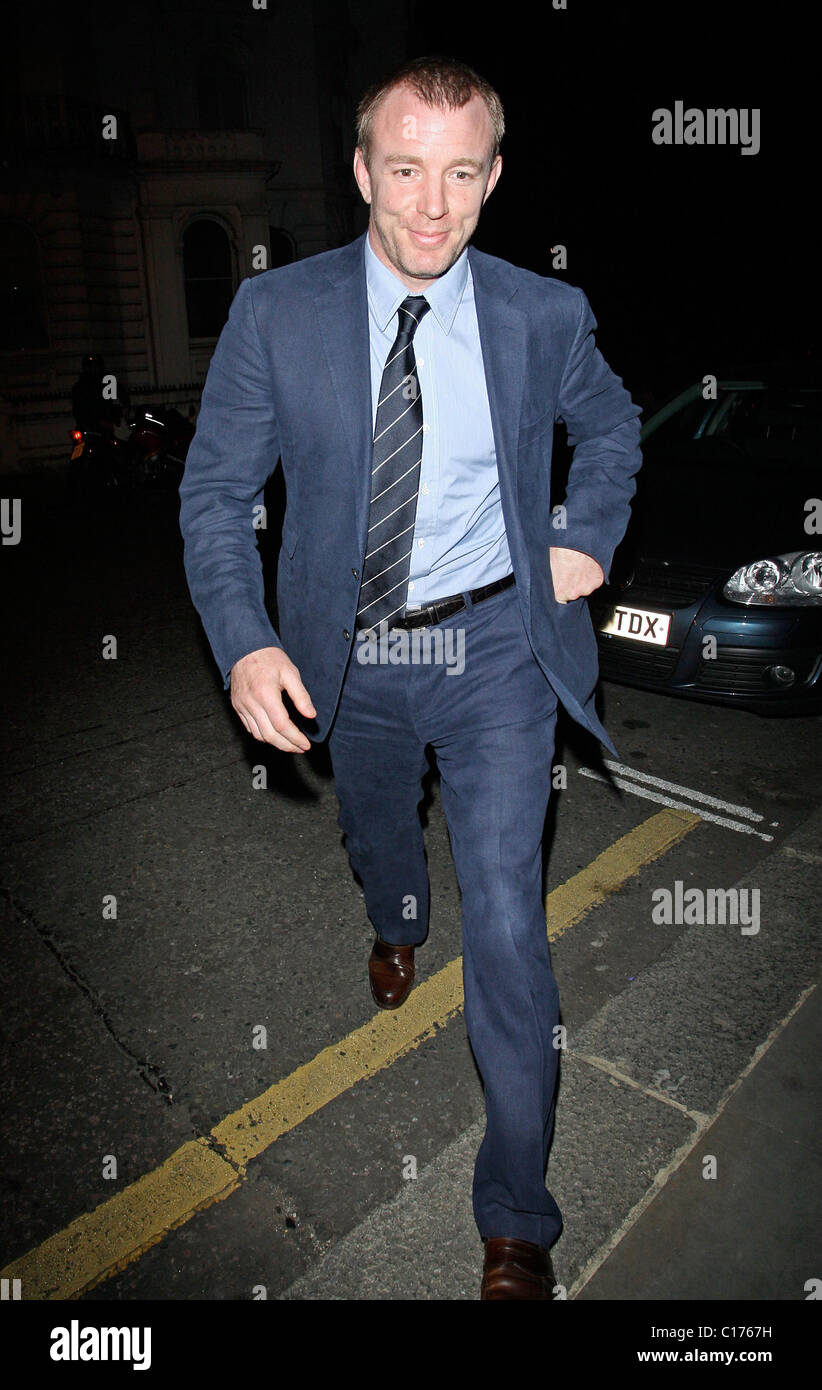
point(208, 1169)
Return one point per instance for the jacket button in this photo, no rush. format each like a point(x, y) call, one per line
point(346, 633)
point(356, 574)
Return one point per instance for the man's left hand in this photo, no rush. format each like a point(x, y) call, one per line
point(574, 573)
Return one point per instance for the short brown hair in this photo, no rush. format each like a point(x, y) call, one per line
point(437, 81)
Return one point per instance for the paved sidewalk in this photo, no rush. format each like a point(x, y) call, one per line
point(753, 1232)
point(712, 1052)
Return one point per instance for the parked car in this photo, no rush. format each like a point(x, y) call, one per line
point(716, 591)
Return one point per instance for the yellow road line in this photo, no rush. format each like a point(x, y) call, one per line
point(100, 1242)
point(604, 875)
point(207, 1170)
point(378, 1043)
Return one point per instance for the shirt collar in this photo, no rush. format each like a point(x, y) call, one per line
point(386, 291)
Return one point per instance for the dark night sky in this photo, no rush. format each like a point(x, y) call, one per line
point(692, 257)
point(686, 253)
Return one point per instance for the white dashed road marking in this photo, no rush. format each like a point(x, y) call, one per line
point(695, 799)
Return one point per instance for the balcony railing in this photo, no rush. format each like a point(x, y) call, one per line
point(200, 147)
point(42, 124)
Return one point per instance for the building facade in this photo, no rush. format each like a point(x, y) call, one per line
point(154, 156)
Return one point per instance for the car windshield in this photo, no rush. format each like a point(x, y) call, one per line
point(744, 413)
point(726, 479)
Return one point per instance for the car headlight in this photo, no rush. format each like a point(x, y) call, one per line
point(793, 580)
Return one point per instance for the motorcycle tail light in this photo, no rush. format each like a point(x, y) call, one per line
point(77, 434)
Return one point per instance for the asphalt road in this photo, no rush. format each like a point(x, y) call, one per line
point(128, 1040)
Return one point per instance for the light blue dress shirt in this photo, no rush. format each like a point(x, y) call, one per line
point(459, 534)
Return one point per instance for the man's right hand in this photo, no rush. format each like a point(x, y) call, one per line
point(257, 682)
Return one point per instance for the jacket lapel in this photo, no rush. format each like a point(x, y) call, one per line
point(503, 338)
point(502, 329)
point(342, 310)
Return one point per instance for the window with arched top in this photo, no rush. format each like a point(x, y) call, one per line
point(221, 93)
point(208, 281)
point(282, 247)
point(22, 311)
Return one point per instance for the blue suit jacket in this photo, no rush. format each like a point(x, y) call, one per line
point(290, 378)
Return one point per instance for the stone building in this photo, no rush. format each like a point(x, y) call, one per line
point(153, 156)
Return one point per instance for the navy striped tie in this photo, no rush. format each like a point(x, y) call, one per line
point(395, 476)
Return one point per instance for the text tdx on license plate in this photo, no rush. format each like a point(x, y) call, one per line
point(640, 624)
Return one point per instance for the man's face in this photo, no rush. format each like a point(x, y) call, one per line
point(428, 175)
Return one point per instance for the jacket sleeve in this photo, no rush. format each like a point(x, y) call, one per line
point(603, 431)
point(234, 451)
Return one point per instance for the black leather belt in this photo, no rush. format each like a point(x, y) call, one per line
point(431, 613)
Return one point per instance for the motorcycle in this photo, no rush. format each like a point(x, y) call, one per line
point(159, 442)
point(99, 466)
point(105, 468)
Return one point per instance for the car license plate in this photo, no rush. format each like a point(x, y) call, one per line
point(640, 624)
point(77, 451)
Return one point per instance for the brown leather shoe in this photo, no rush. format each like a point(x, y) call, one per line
point(391, 972)
point(516, 1269)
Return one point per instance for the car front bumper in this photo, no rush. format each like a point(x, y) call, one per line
point(764, 659)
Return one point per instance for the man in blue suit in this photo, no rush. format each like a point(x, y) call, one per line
point(410, 385)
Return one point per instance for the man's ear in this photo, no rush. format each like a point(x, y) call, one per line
point(362, 175)
point(493, 174)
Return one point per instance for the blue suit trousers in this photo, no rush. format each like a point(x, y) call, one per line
point(489, 713)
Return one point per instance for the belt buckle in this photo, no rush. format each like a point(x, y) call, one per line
point(432, 610)
point(414, 613)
